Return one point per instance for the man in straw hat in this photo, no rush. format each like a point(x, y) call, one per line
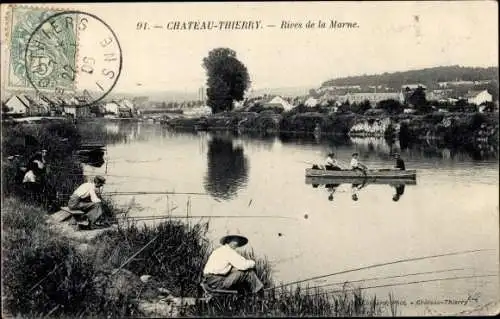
point(226, 269)
point(86, 199)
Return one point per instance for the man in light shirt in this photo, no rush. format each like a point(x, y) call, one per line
point(226, 269)
point(86, 199)
point(355, 164)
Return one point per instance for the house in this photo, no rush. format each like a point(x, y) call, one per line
point(440, 95)
point(373, 98)
point(24, 105)
point(278, 102)
point(77, 111)
point(112, 108)
point(479, 97)
point(311, 102)
point(124, 108)
point(18, 105)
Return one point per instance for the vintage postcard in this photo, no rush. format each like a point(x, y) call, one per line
point(262, 159)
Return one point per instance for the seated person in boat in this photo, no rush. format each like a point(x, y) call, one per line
point(226, 269)
point(331, 163)
point(86, 199)
point(355, 164)
point(400, 164)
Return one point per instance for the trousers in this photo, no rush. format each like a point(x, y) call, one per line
point(235, 280)
point(93, 210)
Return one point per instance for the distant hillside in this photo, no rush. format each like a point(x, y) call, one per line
point(284, 91)
point(167, 96)
point(428, 76)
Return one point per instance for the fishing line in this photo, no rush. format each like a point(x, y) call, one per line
point(406, 283)
point(388, 277)
point(153, 193)
point(204, 216)
point(385, 264)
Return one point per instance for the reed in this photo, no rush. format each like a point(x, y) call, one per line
point(291, 302)
point(174, 258)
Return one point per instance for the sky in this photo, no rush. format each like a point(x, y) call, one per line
point(390, 37)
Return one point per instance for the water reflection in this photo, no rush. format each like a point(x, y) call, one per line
point(400, 189)
point(331, 185)
point(93, 158)
point(227, 168)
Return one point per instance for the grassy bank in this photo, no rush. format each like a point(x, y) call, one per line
point(43, 274)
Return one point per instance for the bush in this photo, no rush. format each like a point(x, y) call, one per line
point(63, 173)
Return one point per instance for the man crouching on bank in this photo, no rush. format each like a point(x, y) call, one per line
point(86, 199)
point(226, 269)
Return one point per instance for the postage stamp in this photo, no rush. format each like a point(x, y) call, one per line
point(63, 55)
point(21, 23)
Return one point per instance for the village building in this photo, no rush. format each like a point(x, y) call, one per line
point(77, 111)
point(311, 102)
point(278, 102)
point(440, 95)
point(17, 105)
point(123, 108)
point(23, 105)
point(371, 97)
point(479, 97)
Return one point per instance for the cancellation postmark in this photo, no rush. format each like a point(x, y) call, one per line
point(72, 56)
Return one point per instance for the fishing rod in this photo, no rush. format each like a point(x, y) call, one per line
point(384, 264)
point(154, 193)
point(387, 277)
point(202, 216)
point(406, 283)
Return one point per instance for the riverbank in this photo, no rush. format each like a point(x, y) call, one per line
point(452, 128)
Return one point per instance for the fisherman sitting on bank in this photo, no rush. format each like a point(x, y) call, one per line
point(331, 163)
point(86, 199)
point(226, 269)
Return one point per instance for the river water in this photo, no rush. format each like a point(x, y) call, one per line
point(453, 207)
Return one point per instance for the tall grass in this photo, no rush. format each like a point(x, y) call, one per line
point(291, 302)
point(43, 273)
point(174, 258)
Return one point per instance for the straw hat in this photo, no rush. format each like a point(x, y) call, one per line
point(242, 241)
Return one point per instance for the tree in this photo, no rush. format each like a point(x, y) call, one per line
point(362, 107)
point(344, 107)
point(227, 81)
point(419, 101)
point(391, 106)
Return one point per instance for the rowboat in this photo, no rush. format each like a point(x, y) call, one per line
point(358, 174)
point(325, 180)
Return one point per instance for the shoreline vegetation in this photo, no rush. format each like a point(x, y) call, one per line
point(123, 271)
point(452, 128)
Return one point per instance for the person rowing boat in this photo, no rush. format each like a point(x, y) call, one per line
point(400, 164)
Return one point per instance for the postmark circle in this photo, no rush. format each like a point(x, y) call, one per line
point(73, 57)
